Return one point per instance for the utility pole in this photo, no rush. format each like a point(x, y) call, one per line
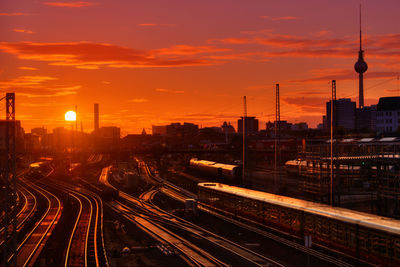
point(244, 141)
point(277, 133)
point(10, 239)
point(333, 100)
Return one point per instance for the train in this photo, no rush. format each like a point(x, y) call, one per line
point(364, 236)
point(300, 166)
point(39, 169)
point(221, 171)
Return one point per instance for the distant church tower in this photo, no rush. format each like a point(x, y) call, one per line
point(360, 67)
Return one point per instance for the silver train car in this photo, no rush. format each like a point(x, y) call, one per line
point(368, 237)
point(301, 166)
point(218, 170)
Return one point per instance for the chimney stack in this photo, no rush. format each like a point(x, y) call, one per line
point(96, 117)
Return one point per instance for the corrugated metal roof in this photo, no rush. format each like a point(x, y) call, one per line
point(354, 217)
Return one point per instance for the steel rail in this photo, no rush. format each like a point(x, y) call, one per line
point(99, 205)
point(187, 249)
point(31, 211)
point(73, 230)
point(79, 195)
point(277, 238)
point(43, 192)
point(181, 197)
point(20, 210)
point(101, 226)
point(205, 234)
point(184, 224)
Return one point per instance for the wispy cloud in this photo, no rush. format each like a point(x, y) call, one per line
point(38, 86)
point(347, 75)
point(69, 4)
point(26, 81)
point(321, 33)
point(52, 92)
point(289, 41)
point(23, 31)
point(317, 45)
point(39, 105)
point(397, 91)
point(189, 50)
point(155, 24)
point(163, 90)
point(280, 18)
point(94, 55)
point(138, 100)
point(14, 14)
point(305, 104)
point(148, 24)
point(27, 68)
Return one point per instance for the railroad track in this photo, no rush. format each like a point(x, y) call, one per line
point(86, 243)
point(192, 254)
point(32, 243)
point(177, 195)
point(180, 194)
point(28, 207)
point(151, 217)
point(240, 251)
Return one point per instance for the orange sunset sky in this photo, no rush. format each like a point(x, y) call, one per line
point(155, 62)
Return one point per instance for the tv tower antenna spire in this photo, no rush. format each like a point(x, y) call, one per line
point(360, 31)
point(360, 67)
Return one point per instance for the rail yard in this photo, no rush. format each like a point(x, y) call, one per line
point(110, 213)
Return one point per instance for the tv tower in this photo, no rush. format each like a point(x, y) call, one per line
point(360, 67)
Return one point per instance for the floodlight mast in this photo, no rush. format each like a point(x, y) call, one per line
point(10, 222)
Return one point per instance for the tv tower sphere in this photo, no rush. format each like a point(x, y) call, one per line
point(360, 66)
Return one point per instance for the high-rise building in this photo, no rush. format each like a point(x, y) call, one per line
point(366, 118)
point(250, 123)
point(388, 114)
point(96, 117)
point(19, 134)
point(344, 114)
point(108, 138)
point(181, 130)
point(159, 130)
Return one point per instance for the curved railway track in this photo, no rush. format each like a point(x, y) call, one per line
point(161, 225)
point(192, 254)
point(31, 245)
point(177, 195)
point(180, 194)
point(85, 248)
point(218, 241)
point(26, 211)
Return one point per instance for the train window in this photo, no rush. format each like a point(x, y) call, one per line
point(378, 243)
point(350, 235)
point(334, 231)
point(309, 223)
point(363, 238)
point(396, 248)
point(390, 244)
point(272, 213)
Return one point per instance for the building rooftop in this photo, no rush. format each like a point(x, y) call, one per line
point(389, 103)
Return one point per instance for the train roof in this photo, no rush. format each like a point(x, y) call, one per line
point(214, 164)
point(355, 217)
point(37, 164)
